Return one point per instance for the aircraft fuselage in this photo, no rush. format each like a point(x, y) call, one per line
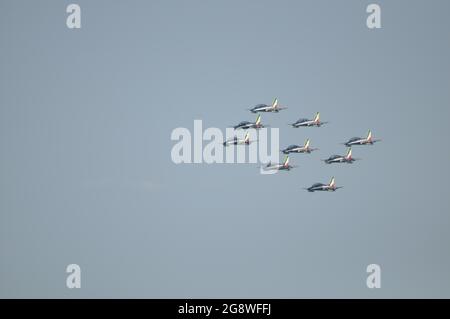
point(264, 108)
point(321, 188)
point(246, 126)
point(235, 142)
point(361, 141)
point(278, 167)
point(340, 159)
point(300, 149)
point(307, 123)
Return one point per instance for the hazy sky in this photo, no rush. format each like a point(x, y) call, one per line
point(87, 178)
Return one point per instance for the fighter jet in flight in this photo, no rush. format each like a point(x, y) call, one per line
point(341, 159)
point(245, 125)
point(236, 141)
point(299, 149)
point(278, 166)
point(361, 140)
point(307, 122)
point(275, 107)
point(331, 187)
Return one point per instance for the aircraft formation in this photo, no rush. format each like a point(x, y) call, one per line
point(306, 148)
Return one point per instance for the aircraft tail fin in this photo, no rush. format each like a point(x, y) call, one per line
point(247, 137)
point(258, 120)
point(286, 161)
point(369, 135)
point(307, 143)
point(332, 182)
point(349, 153)
point(275, 103)
point(317, 118)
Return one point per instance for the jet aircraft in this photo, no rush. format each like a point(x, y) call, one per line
point(275, 107)
point(236, 141)
point(247, 125)
point(362, 140)
point(279, 166)
point(299, 149)
point(331, 187)
point(306, 122)
point(341, 159)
